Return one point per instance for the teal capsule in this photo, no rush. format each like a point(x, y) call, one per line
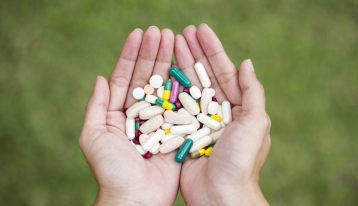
point(184, 150)
point(180, 76)
point(136, 125)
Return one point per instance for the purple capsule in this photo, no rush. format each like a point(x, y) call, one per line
point(178, 105)
point(175, 91)
point(186, 90)
point(136, 140)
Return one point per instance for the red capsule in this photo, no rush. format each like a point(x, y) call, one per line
point(136, 119)
point(214, 99)
point(136, 140)
point(138, 133)
point(141, 122)
point(147, 155)
point(178, 105)
point(186, 90)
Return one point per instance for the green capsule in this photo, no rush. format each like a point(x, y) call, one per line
point(165, 104)
point(137, 125)
point(180, 76)
point(184, 150)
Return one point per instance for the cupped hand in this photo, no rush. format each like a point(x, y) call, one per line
point(123, 175)
point(230, 175)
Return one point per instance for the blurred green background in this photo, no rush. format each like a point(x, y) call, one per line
point(305, 53)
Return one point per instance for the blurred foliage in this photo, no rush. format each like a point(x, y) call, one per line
point(305, 53)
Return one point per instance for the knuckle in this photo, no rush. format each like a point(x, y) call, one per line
point(119, 81)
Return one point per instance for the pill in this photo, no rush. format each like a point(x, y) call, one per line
point(153, 139)
point(186, 90)
point(208, 151)
point(152, 124)
point(168, 137)
point(167, 90)
point(171, 144)
point(214, 99)
point(212, 90)
point(184, 150)
point(155, 149)
point(183, 129)
point(194, 120)
point(195, 155)
point(226, 110)
point(134, 110)
point(216, 117)
point(150, 98)
point(150, 112)
point(165, 104)
point(137, 125)
point(156, 81)
point(213, 107)
point(140, 149)
point(205, 99)
point(180, 76)
point(216, 135)
point(160, 91)
point(138, 93)
point(167, 131)
point(148, 89)
point(202, 74)
point(175, 91)
point(178, 104)
point(219, 112)
point(177, 118)
point(201, 152)
point(138, 133)
point(143, 138)
point(201, 143)
point(130, 128)
point(199, 134)
point(195, 92)
point(189, 103)
point(136, 140)
point(209, 122)
point(147, 155)
point(166, 125)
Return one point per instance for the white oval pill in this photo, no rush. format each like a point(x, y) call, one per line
point(216, 135)
point(212, 91)
point(156, 81)
point(206, 97)
point(201, 143)
point(189, 103)
point(133, 111)
point(195, 92)
point(130, 128)
point(199, 134)
point(167, 137)
point(150, 98)
point(208, 121)
point(171, 145)
point(166, 125)
point(160, 91)
point(150, 112)
point(152, 124)
point(153, 139)
point(183, 129)
point(138, 93)
point(226, 110)
point(213, 107)
point(140, 149)
point(155, 149)
point(202, 74)
point(143, 138)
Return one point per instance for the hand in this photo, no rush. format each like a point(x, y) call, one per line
point(123, 175)
point(230, 175)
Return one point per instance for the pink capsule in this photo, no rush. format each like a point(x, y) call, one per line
point(214, 99)
point(175, 91)
point(178, 105)
point(147, 155)
point(186, 90)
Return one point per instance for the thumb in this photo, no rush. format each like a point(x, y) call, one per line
point(253, 95)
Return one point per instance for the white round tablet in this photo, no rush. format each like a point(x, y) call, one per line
point(138, 93)
point(195, 92)
point(156, 81)
point(160, 91)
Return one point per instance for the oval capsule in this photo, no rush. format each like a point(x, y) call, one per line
point(175, 91)
point(171, 145)
point(205, 99)
point(209, 122)
point(183, 129)
point(134, 110)
point(199, 134)
point(195, 92)
point(167, 90)
point(184, 150)
point(150, 112)
point(213, 107)
point(189, 103)
point(180, 76)
point(165, 104)
point(201, 143)
point(130, 128)
point(177, 118)
point(226, 110)
point(150, 98)
point(153, 139)
point(202, 74)
point(152, 124)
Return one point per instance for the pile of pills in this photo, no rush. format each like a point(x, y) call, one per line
point(176, 114)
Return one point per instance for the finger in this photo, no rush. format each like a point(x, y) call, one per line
point(98, 104)
point(253, 95)
point(121, 75)
point(223, 68)
point(145, 62)
point(165, 54)
point(185, 60)
point(199, 56)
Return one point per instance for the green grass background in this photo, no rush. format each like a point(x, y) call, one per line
point(305, 53)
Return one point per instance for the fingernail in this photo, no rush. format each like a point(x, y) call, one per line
point(138, 29)
point(249, 64)
point(202, 24)
point(153, 27)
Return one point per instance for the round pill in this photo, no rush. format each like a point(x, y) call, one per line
point(195, 92)
point(156, 81)
point(138, 93)
point(160, 91)
point(148, 89)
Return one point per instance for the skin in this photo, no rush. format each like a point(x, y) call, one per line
point(229, 177)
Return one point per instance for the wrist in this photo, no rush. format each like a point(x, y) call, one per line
point(109, 198)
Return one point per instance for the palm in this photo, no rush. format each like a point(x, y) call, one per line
point(116, 163)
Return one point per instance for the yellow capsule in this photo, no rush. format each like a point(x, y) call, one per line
point(201, 152)
point(208, 151)
point(216, 117)
point(166, 131)
point(168, 106)
point(195, 155)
